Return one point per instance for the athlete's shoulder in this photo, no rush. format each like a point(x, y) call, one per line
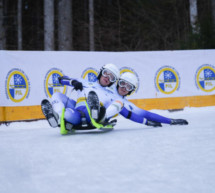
point(128, 105)
point(112, 89)
point(86, 82)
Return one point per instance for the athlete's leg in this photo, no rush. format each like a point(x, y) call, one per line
point(59, 101)
point(73, 116)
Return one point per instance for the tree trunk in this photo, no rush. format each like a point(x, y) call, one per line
point(91, 25)
point(48, 24)
point(213, 14)
point(2, 29)
point(194, 16)
point(19, 24)
point(65, 25)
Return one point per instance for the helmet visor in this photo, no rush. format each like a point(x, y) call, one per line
point(109, 74)
point(128, 86)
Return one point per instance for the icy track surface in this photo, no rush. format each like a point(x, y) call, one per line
point(132, 158)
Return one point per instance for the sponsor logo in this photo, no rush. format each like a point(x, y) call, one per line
point(167, 80)
point(52, 84)
point(127, 69)
point(90, 74)
point(205, 78)
point(17, 85)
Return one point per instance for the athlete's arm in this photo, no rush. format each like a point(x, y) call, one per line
point(114, 108)
point(128, 114)
point(136, 114)
point(65, 80)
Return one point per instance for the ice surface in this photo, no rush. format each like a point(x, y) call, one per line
point(133, 158)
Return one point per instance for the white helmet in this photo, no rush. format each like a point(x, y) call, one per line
point(112, 68)
point(129, 77)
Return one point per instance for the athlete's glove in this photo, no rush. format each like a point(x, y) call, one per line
point(77, 85)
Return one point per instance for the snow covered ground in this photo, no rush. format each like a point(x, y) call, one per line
point(132, 158)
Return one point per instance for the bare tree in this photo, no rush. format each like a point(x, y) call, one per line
point(194, 16)
point(65, 25)
point(91, 25)
point(2, 30)
point(213, 13)
point(19, 23)
point(49, 25)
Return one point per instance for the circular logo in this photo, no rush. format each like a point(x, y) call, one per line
point(90, 74)
point(205, 78)
point(127, 69)
point(167, 80)
point(17, 85)
point(52, 84)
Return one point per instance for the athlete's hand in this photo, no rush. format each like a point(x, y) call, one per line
point(77, 85)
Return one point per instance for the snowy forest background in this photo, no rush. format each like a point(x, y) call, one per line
point(107, 25)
